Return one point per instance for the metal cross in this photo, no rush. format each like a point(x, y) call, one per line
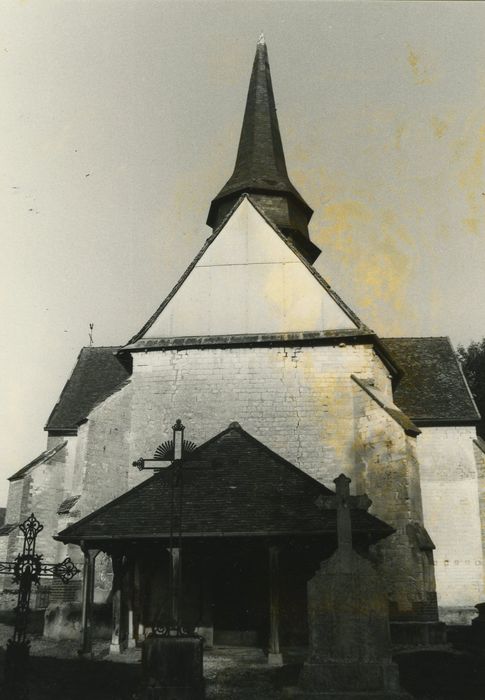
point(170, 452)
point(26, 569)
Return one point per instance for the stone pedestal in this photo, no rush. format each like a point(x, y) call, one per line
point(349, 650)
point(172, 668)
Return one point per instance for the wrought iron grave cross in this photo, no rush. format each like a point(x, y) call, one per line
point(26, 569)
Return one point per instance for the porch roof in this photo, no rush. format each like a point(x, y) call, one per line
point(233, 485)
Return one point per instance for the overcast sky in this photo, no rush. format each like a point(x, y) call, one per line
point(119, 122)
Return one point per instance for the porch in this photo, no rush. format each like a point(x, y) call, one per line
point(221, 542)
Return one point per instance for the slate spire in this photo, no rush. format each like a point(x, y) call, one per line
point(260, 168)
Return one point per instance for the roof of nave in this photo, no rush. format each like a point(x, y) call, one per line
point(40, 459)
point(433, 389)
point(233, 485)
point(97, 373)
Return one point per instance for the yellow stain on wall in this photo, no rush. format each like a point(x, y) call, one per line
point(398, 136)
point(472, 181)
point(439, 126)
point(420, 72)
point(376, 249)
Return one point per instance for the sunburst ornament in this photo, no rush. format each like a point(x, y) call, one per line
point(166, 451)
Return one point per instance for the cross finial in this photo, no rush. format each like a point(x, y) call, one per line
point(342, 486)
point(344, 525)
point(261, 40)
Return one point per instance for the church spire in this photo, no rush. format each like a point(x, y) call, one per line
point(260, 168)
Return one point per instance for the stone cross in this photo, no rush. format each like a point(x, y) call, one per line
point(342, 502)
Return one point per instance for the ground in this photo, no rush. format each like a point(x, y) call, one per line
point(230, 673)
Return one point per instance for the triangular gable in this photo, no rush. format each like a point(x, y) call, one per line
point(248, 279)
point(233, 485)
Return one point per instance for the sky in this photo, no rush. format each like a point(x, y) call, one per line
point(119, 122)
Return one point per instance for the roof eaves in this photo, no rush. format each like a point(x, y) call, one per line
point(382, 530)
point(241, 340)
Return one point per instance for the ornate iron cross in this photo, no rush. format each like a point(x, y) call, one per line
point(26, 569)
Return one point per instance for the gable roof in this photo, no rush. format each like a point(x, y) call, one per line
point(361, 327)
point(40, 459)
point(233, 485)
point(433, 389)
point(97, 373)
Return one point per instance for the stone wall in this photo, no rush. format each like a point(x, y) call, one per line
point(299, 401)
point(388, 472)
point(480, 462)
point(451, 514)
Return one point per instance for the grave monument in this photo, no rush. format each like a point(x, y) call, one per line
point(349, 639)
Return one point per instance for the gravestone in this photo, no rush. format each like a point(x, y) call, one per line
point(349, 638)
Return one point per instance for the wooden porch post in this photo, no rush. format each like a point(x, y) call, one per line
point(130, 599)
point(116, 635)
point(87, 600)
point(175, 573)
point(275, 657)
point(138, 603)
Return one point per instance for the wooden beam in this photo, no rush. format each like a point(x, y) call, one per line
point(87, 601)
point(275, 657)
point(117, 619)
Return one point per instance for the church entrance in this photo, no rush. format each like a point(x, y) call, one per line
point(240, 596)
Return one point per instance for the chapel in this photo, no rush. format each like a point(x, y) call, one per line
point(188, 472)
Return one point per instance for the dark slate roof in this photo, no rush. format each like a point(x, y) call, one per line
point(7, 528)
point(433, 389)
point(348, 311)
point(232, 486)
point(97, 373)
point(260, 163)
point(67, 504)
point(3, 512)
point(40, 459)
